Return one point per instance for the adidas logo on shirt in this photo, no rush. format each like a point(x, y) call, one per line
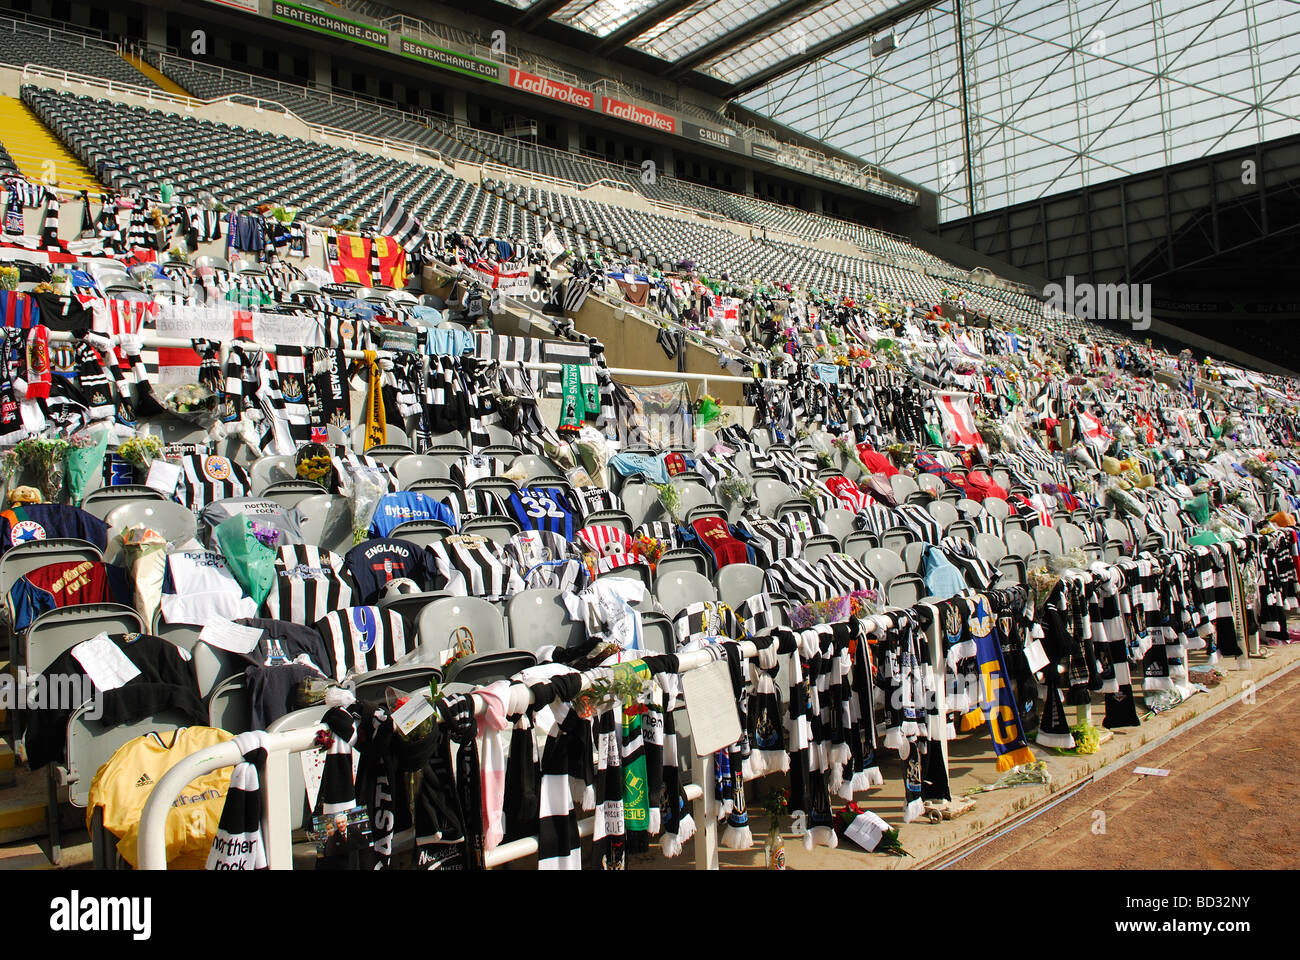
point(144, 781)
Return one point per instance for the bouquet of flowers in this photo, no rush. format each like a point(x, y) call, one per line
point(44, 456)
point(651, 548)
point(735, 488)
point(671, 500)
point(807, 615)
point(140, 450)
point(889, 842)
point(364, 487)
point(193, 403)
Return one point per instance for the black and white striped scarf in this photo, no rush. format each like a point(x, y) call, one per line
point(239, 843)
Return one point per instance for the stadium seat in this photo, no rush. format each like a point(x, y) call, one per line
point(497, 529)
point(884, 564)
point(412, 467)
point(539, 618)
point(440, 620)
point(59, 630)
point(680, 589)
point(100, 503)
point(859, 542)
point(327, 522)
point(422, 532)
point(20, 560)
point(290, 493)
point(737, 582)
point(173, 522)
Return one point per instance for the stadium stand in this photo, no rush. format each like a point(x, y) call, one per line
point(338, 419)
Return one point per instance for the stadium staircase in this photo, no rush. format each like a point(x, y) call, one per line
point(154, 74)
point(31, 144)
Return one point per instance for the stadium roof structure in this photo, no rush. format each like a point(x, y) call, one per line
point(725, 46)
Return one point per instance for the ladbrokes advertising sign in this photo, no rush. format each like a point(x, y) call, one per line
point(642, 115)
point(552, 89)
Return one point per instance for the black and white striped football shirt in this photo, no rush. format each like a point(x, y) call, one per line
point(471, 567)
point(361, 639)
point(309, 583)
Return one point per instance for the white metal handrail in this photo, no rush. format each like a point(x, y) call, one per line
point(49, 31)
point(310, 93)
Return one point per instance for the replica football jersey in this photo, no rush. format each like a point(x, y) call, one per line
point(45, 521)
point(376, 562)
point(397, 508)
point(261, 513)
point(63, 584)
point(206, 478)
point(309, 583)
point(361, 639)
point(543, 508)
point(198, 586)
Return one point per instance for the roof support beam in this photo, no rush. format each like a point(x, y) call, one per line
point(639, 25)
point(737, 38)
point(539, 11)
point(890, 17)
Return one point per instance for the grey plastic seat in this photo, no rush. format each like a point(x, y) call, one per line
point(534, 467)
point(839, 523)
point(290, 493)
point(183, 635)
point(896, 538)
point(905, 590)
point(680, 589)
point(403, 678)
point(422, 532)
point(327, 521)
point(902, 486)
point(1019, 543)
point(58, 630)
point(389, 453)
point(929, 484)
point(91, 744)
point(1013, 568)
point(770, 493)
point(996, 507)
point(1072, 538)
point(538, 618)
point(1116, 530)
point(859, 542)
point(737, 582)
point(943, 512)
point(440, 620)
point(1047, 540)
point(230, 707)
point(640, 502)
point(100, 503)
point(819, 546)
point(173, 522)
point(883, 563)
point(496, 529)
point(609, 518)
point(968, 508)
point(657, 633)
point(485, 668)
point(680, 559)
point(415, 466)
point(912, 554)
point(268, 470)
point(990, 547)
point(213, 665)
